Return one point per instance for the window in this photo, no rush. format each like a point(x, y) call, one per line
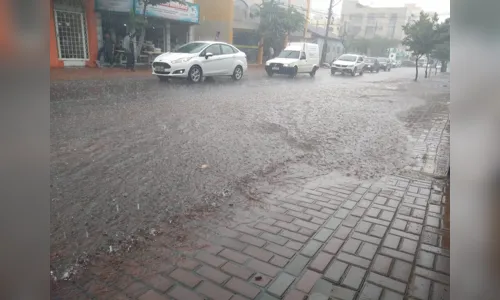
point(191, 48)
point(214, 49)
point(227, 49)
point(289, 54)
point(360, 59)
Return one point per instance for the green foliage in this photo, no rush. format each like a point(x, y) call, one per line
point(442, 49)
point(276, 21)
point(421, 36)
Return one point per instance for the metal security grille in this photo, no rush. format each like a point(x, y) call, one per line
point(71, 29)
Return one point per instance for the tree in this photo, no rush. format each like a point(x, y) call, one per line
point(442, 48)
point(277, 21)
point(140, 22)
point(420, 37)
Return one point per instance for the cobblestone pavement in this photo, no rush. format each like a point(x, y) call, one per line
point(302, 237)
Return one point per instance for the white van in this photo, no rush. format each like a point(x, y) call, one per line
point(296, 58)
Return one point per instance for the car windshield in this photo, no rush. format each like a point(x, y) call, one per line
point(370, 60)
point(289, 54)
point(382, 59)
point(348, 58)
point(190, 48)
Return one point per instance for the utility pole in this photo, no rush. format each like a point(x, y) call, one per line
point(288, 33)
point(325, 42)
point(307, 18)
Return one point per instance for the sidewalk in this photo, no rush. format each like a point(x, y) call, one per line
point(105, 73)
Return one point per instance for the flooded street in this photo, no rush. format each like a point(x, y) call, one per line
point(132, 154)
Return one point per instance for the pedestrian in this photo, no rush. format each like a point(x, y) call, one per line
point(271, 52)
point(129, 47)
point(107, 50)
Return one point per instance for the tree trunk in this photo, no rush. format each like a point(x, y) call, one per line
point(416, 68)
point(426, 68)
point(444, 65)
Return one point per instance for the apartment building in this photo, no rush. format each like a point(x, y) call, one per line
point(363, 21)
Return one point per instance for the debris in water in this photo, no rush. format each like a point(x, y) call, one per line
point(258, 278)
point(117, 208)
point(110, 249)
point(125, 195)
point(231, 204)
point(153, 232)
point(204, 166)
point(138, 206)
point(225, 192)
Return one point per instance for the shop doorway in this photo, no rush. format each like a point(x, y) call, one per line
point(71, 32)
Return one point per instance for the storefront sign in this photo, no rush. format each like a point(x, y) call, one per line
point(184, 12)
point(114, 5)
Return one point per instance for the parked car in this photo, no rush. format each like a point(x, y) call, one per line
point(294, 59)
point(196, 60)
point(385, 64)
point(348, 63)
point(372, 65)
point(393, 63)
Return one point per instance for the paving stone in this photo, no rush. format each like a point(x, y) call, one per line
point(367, 250)
point(392, 203)
point(237, 270)
point(435, 276)
point(376, 221)
point(241, 287)
point(397, 254)
point(212, 274)
point(386, 282)
point(355, 197)
point(409, 246)
point(355, 260)
point(404, 234)
point(404, 210)
point(213, 291)
point(380, 200)
point(443, 264)
point(321, 261)
point(323, 234)
point(266, 296)
point(370, 292)
point(333, 245)
point(252, 240)
point(248, 230)
point(373, 212)
point(234, 256)
point(411, 219)
point(401, 270)
point(333, 223)
point(307, 281)
point(366, 238)
point(364, 203)
point(342, 213)
point(436, 250)
point(350, 221)
point(306, 231)
point(181, 293)
point(420, 288)
point(342, 293)
point(425, 259)
point(387, 215)
point(390, 295)
point(392, 241)
point(296, 265)
point(283, 251)
point(418, 213)
point(369, 196)
point(363, 227)
point(151, 295)
point(349, 204)
point(336, 271)
point(210, 259)
point(351, 246)
point(279, 261)
point(185, 277)
point(280, 285)
point(295, 295)
point(230, 243)
point(382, 264)
point(440, 292)
point(342, 232)
point(294, 236)
point(318, 221)
point(259, 253)
point(322, 287)
point(317, 214)
point(354, 277)
point(299, 215)
point(287, 225)
point(274, 238)
point(399, 224)
point(378, 230)
point(159, 282)
point(294, 245)
point(430, 238)
point(311, 248)
point(268, 228)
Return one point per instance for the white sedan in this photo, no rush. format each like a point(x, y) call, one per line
point(196, 60)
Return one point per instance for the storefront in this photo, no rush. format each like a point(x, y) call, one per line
point(77, 28)
point(168, 25)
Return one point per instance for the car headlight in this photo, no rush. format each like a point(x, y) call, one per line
point(181, 60)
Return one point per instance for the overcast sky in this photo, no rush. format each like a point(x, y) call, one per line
point(439, 6)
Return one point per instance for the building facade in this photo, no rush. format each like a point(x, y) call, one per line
point(77, 27)
point(363, 21)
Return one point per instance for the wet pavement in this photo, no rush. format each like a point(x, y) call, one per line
point(155, 185)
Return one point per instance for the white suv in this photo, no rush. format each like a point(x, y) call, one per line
point(201, 59)
point(348, 63)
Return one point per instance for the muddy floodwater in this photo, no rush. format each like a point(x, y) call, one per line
point(128, 154)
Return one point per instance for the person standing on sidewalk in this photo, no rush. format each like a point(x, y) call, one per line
point(129, 47)
point(107, 49)
point(271, 52)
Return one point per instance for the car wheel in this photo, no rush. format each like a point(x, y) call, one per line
point(294, 72)
point(361, 72)
point(237, 73)
point(313, 72)
point(353, 73)
point(163, 78)
point(269, 73)
point(195, 74)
